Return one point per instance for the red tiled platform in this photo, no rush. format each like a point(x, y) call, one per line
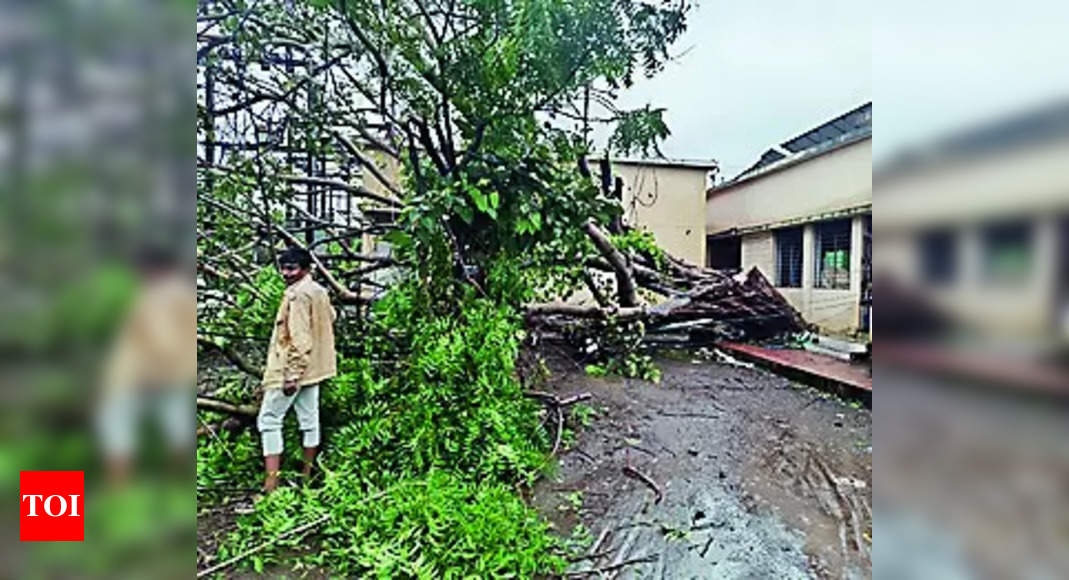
point(840, 377)
point(981, 367)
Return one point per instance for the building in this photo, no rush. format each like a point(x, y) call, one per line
point(665, 197)
point(802, 214)
point(977, 227)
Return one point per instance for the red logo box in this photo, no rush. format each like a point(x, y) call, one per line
point(51, 506)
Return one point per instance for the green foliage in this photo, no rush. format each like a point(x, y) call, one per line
point(438, 525)
point(642, 242)
point(639, 131)
point(631, 365)
point(454, 403)
point(634, 365)
point(583, 414)
point(448, 413)
point(431, 415)
point(579, 540)
point(596, 370)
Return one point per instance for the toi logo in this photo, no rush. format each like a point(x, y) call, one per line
point(51, 506)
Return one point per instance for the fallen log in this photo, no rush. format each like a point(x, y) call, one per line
point(577, 311)
point(625, 281)
point(225, 407)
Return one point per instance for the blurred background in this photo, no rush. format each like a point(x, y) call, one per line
point(96, 286)
point(971, 248)
point(971, 283)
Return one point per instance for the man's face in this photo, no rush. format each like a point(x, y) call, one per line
point(292, 272)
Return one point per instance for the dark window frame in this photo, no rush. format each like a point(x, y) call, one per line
point(789, 248)
point(938, 256)
point(996, 248)
point(834, 238)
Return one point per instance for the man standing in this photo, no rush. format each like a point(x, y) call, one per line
point(301, 355)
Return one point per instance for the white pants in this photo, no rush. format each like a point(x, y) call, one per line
point(273, 410)
point(120, 412)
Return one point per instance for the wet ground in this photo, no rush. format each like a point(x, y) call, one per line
point(761, 477)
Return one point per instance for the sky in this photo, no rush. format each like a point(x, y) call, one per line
point(753, 74)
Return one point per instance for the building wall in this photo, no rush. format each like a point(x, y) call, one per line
point(834, 310)
point(1027, 307)
point(668, 201)
point(962, 197)
point(835, 184)
point(835, 181)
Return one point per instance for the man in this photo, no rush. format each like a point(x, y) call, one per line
point(152, 366)
point(301, 356)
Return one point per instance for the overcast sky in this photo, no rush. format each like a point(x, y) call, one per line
point(757, 73)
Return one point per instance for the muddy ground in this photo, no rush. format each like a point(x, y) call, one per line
point(761, 477)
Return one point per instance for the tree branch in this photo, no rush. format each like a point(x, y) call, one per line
point(232, 355)
point(209, 404)
point(625, 282)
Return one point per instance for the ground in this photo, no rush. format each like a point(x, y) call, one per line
point(762, 477)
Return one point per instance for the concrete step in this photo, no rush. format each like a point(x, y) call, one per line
point(820, 349)
point(840, 345)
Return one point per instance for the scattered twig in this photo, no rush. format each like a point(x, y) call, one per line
point(560, 431)
point(555, 400)
point(230, 562)
point(216, 436)
point(691, 415)
point(632, 472)
point(573, 399)
point(725, 358)
point(708, 543)
point(586, 456)
point(591, 556)
point(642, 449)
point(639, 560)
point(601, 538)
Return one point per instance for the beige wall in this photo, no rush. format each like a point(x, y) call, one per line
point(667, 201)
point(832, 310)
point(961, 197)
point(1024, 308)
point(837, 180)
point(834, 184)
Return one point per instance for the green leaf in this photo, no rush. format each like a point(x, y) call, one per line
point(466, 214)
point(479, 198)
point(494, 199)
point(536, 222)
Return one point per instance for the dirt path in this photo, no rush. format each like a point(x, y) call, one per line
point(761, 478)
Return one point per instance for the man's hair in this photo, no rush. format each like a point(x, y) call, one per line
point(297, 256)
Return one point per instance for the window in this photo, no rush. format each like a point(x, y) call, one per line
point(938, 257)
point(1007, 252)
point(833, 254)
point(788, 257)
point(724, 253)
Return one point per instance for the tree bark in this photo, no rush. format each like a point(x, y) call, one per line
point(625, 282)
point(224, 407)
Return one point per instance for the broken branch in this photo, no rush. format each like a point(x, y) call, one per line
point(632, 472)
point(224, 407)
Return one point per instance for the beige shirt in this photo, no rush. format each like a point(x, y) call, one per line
point(302, 342)
point(156, 346)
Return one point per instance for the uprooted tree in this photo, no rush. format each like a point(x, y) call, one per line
point(457, 133)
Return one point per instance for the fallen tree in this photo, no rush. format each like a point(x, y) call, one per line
point(702, 302)
point(410, 147)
